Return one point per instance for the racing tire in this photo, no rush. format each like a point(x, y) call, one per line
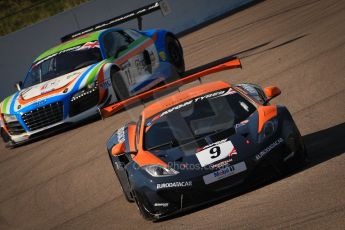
point(175, 53)
point(124, 183)
point(5, 137)
point(299, 159)
point(119, 85)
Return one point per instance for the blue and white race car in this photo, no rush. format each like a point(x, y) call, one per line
point(72, 81)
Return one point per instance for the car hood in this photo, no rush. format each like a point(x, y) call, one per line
point(42, 93)
point(47, 87)
point(238, 143)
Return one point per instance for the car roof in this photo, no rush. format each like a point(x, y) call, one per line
point(71, 43)
point(182, 96)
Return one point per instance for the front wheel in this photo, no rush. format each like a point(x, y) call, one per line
point(5, 137)
point(123, 179)
point(175, 53)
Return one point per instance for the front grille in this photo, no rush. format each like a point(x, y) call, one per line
point(44, 116)
point(15, 128)
point(86, 100)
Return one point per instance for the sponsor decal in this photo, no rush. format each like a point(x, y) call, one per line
point(177, 107)
point(211, 95)
point(221, 164)
point(89, 45)
point(161, 205)
point(229, 92)
point(175, 185)
point(162, 55)
point(225, 172)
point(268, 149)
point(121, 135)
point(55, 54)
point(40, 103)
point(215, 143)
point(47, 87)
point(106, 84)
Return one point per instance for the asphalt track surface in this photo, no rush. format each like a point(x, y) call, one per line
point(67, 182)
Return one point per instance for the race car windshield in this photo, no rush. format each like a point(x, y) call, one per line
point(62, 63)
point(195, 119)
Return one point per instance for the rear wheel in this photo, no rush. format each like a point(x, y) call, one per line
point(175, 53)
point(299, 157)
point(119, 85)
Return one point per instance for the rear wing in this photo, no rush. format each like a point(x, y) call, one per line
point(162, 5)
point(200, 72)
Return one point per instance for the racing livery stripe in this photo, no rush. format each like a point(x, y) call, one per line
point(15, 96)
point(146, 42)
point(7, 105)
point(66, 45)
point(82, 77)
point(131, 137)
point(100, 78)
point(147, 158)
point(93, 73)
point(4, 106)
point(137, 42)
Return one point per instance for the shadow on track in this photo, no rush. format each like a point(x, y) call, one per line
point(325, 144)
point(240, 27)
point(274, 47)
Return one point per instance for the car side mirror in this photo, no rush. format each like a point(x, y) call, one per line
point(271, 92)
point(119, 50)
point(118, 149)
point(19, 85)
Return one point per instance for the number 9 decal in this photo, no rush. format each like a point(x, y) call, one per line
point(215, 150)
point(216, 153)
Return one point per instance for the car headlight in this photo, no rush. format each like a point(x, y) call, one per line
point(159, 170)
point(268, 130)
point(90, 88)
point(9, 118)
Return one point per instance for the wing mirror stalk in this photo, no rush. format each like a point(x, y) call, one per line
point(19, 85)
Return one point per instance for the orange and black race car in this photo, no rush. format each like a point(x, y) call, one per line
point(201, 144)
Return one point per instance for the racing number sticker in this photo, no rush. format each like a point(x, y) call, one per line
point(216, 153)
